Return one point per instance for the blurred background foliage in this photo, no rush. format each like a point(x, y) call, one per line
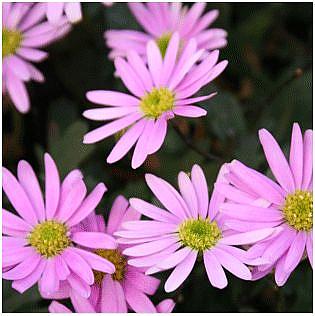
point(268, 83)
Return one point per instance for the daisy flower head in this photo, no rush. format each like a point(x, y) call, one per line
point(255, 201)
point(159, 91)
point(40, 242)
point(24, 32)
point(190, 225)
point(128, 287)
point(160, 21)
point(55, 11)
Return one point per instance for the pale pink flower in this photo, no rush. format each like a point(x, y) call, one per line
point(255, 201)
point(40, 243)
point(159, 91)
point(190, 225)
point(128, 287)
point(160, 21)
point(24, 31)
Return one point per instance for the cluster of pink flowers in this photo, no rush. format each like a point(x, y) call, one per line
point(251, 225)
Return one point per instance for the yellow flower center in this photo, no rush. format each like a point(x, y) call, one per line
point(11, 41)
point(199, 234)
point(117, 259)
point(157, 102)
point(298, 210)
point(162, 43)
point(49, 238)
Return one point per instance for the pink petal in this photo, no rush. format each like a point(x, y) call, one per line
point(109, 299)
point(52, 186)
point(18, 197)
point(281, 276)
point(174, 259)
point(81, 304)
point(109, 113)
point(181, 272)
point(189, 111)
point(112, 98)
point(295, 252)
point(14, 257)
point(192, 17)
point(276, 160)
point(214, 270)
point(79, 286)
point(307, 159)
point(88, 205)
point(13, 222)
point(62, 271)
point(204, 22)
point(34, 15)
point(165, 306)
point(94, 240)
point(155, 62)
point(157, 135)
point(32, 54)
point(48, 282)
point(309, 247)
point(56, 307)
point(54, 12)
point(195, 100)
point(232, 264)
point(153, 211)
point(23, 284)
point(73, 12)
point(110, 128)
point(13, 242)
point(116, 214)
point(19, 67)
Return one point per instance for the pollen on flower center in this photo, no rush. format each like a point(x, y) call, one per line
point(162, 42)
point(199, 234)
point(11, 40)
point(156, 102)
point(298, 210)
point(49, 238)
point(117, 259)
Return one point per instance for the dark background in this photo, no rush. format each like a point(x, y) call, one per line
point(268, 83)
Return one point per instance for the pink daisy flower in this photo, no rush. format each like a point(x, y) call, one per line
point(55, 11)
point(24, 31)
point(128, 287)
point(40, 244)
point(160, 21)
point(255, 201)
point(190, 226)
point(159, 91)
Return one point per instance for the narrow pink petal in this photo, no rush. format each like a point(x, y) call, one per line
point(150, 235)
point(96, 262)
point(88, 205)
point(103, 114)
point(81, 304)
point(138, 301)
point(170, 59)
point(109, 303)
point(94, 240)
point(181, 272)
point(281, 276)
point(296, 155)
point(32, 54)
point(145, 283)
point(174, 259)
point(155, 62)
point(13, 242)
point(167, 195)
point(244, 226)
point(62, 271)
point(127, 140)
point(214, 270)
point(54, 11)
point(112, 98)
point(34, 15)
point(73, 12)
point(189, 111)
point(157, 135)
point(129, 77)
point(18, 93)
point(29, 182)
point(232, 264)
point(48, 282)
point(15, 257)
point(78, 265)
point(204, 22)
point(141, 149)
point(233, 194)
point(18, 197)
point(52, 186)
point(192, 17)
point(309, 247)
point(295, 252)
point(250, 212)
point(307, 159)
point(247, 237)
point(56, 307)
point(195, 100)
point(79, 285)
point(188, 193)
point(23, 284)
point(35, 73)
point(153, 211)
point(17, 11)
point(110, 128)
point(72, 201)
point(14, 222)
point(116, 214)
point(23, 269)
point(150, 247)
point(141, 69)
point(277, 161)
point(165, 306)
point(69, 181)
point(19, 67)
